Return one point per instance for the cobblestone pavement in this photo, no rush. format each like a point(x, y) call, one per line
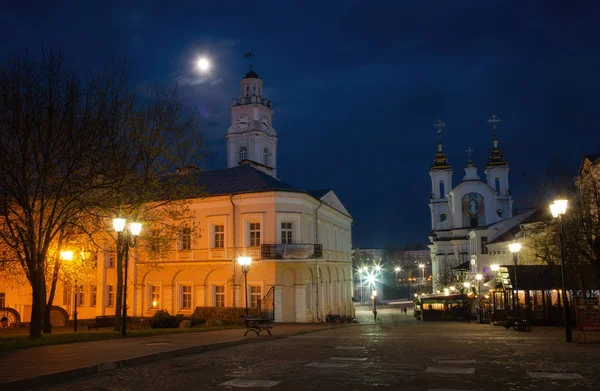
point(399, 353)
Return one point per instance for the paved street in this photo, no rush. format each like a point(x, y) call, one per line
point(399, 353)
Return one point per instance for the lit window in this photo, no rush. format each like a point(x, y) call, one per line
point(266, 156)
point(154, 291)
point(242, 154)
point(254, 234)
point(186, 297)
point(186, 239)
point(220, 296)
point(286, 233)
point(219, 236)
point(255, 295)
point(110, 296)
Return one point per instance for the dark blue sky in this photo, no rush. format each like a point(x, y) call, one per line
point(357, 85)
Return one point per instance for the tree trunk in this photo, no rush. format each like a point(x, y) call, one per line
point(119, 295)
point(38, 303)
point(47, 325)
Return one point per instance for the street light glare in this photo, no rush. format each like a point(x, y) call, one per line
point(203, 64)
point(514, 247)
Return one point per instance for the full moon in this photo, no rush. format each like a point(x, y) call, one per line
point(203, 64)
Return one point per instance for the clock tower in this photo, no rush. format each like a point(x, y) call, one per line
point(251, 139)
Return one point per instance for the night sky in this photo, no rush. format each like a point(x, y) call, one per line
point(357, 85)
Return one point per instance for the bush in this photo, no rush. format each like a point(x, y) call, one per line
point(163, 320)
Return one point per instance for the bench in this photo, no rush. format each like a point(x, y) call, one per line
point(257, 324)
point(102, 321)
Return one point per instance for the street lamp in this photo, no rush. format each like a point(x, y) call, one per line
point(558, 209)
point(397, 270)
point(374, 296)
point(495, 268)
point(126, 239)
point(514, 249)
point(422, 267)
point(68, 256)
point(245, 264)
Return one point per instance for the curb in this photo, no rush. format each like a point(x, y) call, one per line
point(71, 374)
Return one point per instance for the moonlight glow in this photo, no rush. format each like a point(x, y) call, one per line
point(203, 64)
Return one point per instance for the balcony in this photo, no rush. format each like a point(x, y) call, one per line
point(291, 251)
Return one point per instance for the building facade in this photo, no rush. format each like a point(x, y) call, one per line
point(299, 242)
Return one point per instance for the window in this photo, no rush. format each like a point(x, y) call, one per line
point(500, 212)
point(110, 296)
point(247, 90)
point(186, 297)
point(80, 296)
point(255, 295)
point(220, 296)
point(442, 190)
point(186, 239)
point(2, 300)
point(219, 236)
point(286, 232)
point(484, 249)
point(254, 234)
point(242, 154)
point(266, 156)
point(154, 291)
point(497, 186)
point(443, 217)
point(155, 243)
point(111, 260)
point(66, 294)
point(93, 291)
point(253, 89)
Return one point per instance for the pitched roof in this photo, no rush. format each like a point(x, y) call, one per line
point(509, 235)
point(318, 194)
point(592, 158)
point(236, 180)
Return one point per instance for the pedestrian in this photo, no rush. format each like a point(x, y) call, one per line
point(405, 311)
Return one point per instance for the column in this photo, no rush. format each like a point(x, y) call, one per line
point(278, 303)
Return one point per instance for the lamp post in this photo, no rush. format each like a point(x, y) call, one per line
point(478, 278)
point(68, 256)
point(361, 270)
point(126, 239)
point(397, 270)
point(245, 264)
point(514, 249)
point(558, 209)
point(374, 296)
point(422, 267)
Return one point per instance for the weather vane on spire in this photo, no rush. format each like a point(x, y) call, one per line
point(249, 55)
point(494, 121)
point(439, 125)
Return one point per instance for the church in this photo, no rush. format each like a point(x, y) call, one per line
point(465, 218)
point(299, 242)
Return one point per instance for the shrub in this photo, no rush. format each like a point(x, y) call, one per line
point(163, 320)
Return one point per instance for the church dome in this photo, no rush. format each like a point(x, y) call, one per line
point(251, 75)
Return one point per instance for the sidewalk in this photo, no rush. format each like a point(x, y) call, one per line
point(34, 367)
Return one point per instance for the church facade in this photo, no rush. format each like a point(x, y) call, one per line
point(466, 217)
point(299, 242)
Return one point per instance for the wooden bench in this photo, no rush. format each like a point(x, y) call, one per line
point(102, 321)
point(257, 324)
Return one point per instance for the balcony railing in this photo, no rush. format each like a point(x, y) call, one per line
point(291, 251)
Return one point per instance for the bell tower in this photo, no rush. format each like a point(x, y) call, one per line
point(441, 184)
point(251, 138)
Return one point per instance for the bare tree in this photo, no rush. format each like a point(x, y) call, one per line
point(73, 153)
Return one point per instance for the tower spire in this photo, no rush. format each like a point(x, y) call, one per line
point(496, 158)
point(440, 162)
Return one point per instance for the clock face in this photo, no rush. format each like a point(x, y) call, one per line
point(264, 124)
point(243, 123)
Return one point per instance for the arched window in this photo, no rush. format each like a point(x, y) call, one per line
point(247, 90)
point(498, 186)
point(266, 156)
point(254, 89)
point(442, 190)
point(242, 154)
point(443, 217)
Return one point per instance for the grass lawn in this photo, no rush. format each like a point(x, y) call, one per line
point(10, 342)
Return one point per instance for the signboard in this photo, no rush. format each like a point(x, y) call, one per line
point(588, 316)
